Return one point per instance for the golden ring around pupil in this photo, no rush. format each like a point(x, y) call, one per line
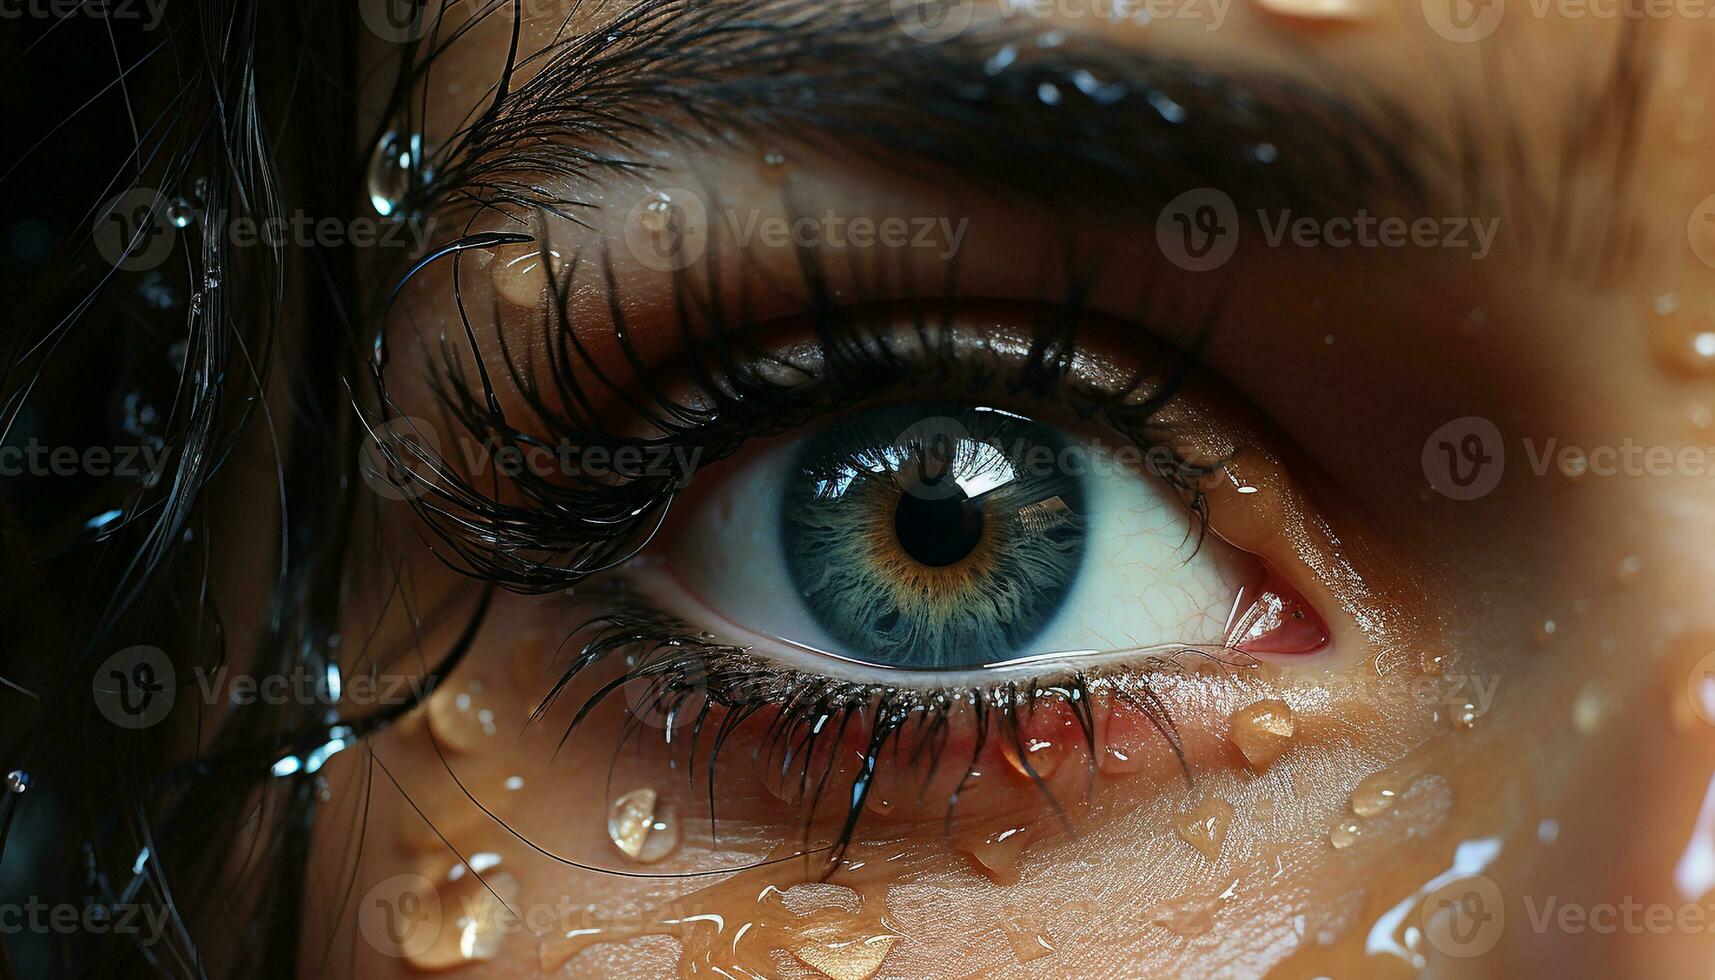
point(935, 592)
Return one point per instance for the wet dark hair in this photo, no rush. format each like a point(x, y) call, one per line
point(219, 371)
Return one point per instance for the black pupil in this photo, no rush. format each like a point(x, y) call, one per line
point(936, 523)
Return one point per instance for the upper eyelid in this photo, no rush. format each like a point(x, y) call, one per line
point(1335, 154)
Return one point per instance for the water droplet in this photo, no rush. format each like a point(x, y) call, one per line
point(1375, 793)
point(1049, 93)
point(1205, 826)
point(460, 720)
point(1262, 731)
point(1168, 109)
point(1262, 152)
point(847, 959)
point(17, 781)
point(1684, 342)
point(1545, 631)
point(643, 828)
point(774, 167)
point(1001, 60)
point(1464, 716)
point(1345, 834)
point(1432, 662)
point(1548, 831)
point(392, 171)
point(996, 853)
point(1029, 940)
point(1318, 9)
point(180, 213)
point(481, 920)
point(1589, 710)
point(1041, 755)
point(517, 276)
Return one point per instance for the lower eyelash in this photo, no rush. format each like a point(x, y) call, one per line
point(687, 677)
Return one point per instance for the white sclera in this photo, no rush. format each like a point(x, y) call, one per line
point(1146, 579)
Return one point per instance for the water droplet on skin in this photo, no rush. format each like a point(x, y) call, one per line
point(1345, 834)
point(1548, 831)
point(1029, 940)
point(1205, 826)
point(774, 167)
point(460, 720)
point(516, 272)
point(1318, 9)
point(1684, 343)
point(1589, 710)
point(1041, 756)
point(1464, 716)
point(481, 920)
point(996, 854)
point(17, 781)
point(1545, 631)
point(644, 829)
point(1376, 793)
point(1192, 915)
point(1432, 662)
point(1262, 731)
point(1628, 569)
point(847, 959)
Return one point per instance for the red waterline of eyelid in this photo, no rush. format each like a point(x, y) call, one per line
point(1272, 617)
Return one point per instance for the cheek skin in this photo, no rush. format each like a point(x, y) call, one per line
point(1137, 843)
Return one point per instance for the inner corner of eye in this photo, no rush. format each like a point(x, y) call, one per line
point(937, 536)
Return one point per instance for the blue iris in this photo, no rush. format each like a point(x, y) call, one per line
point(934, 536)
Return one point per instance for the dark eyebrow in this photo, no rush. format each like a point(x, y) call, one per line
point(1049, 115)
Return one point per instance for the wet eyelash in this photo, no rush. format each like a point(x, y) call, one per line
point(684, 672)
point(551, 534)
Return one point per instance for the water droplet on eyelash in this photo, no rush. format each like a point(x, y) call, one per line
point(1204, 826)
point(1318, 9)
point(642, 827)
point(1262, 731)
point(460, 721)
point(1375, 793)
point(1030, 940)
point(1590, 710)
point(1345, 834)
point(1166, 108)
point(1464, 716)
point(17, 781)
point(180, 213)
point(475, 898)
point(392, 171)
